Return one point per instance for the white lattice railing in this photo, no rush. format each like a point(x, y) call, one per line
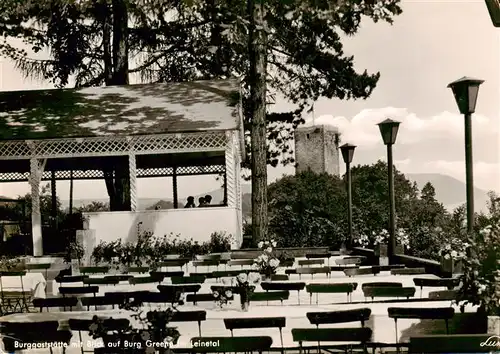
point(230, 172)
point(113, 145)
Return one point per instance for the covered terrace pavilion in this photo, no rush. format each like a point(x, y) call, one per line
point(128, 132)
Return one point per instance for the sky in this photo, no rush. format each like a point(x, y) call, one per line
point(430, 45)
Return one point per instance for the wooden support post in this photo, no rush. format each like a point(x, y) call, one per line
point(36, 169)
point(133, 181)
point(174, 186)
point(71, 192)
point(53, 194)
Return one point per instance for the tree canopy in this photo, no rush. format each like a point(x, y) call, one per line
point(171, 40)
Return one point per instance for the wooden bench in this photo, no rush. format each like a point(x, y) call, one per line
point(387, 284)
point(318, 335)
point(140, 270)
point(267, 296)
point(443, 295)
point(99, 301)
point(94, 270)
point(240, 262)
point(362, 315)
point(349, 260)
point(179, 262)
point(454, 343)
point(421, 313)
point(64, 302)
point(256, 322)
point(195, 298)
point(313, 270)
point(186, 316)
point(373, 292)
point(179, 288)
point(448, 283)
point(290, 271)
point(119, 277)
point(163, 275)
point(279, 277)
point(188, 280)
point(389, 267)
point(100, 281)
point(324, 255)
point(361, 271)
point(408, 271)
point(290, 286)
point(206, 263)
point(38, 266)
point(308, 262)
point(207, 275)
point(330, 288)
point(146, 280)
point(71, 279)
point(230, 273)
point(231, 344)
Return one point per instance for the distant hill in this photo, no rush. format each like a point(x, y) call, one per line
point(449, 191)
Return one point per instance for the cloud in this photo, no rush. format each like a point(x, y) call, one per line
point(363, 131)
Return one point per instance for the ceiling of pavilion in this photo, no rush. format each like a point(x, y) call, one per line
point(120, 110)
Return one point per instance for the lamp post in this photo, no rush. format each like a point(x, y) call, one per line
point(347, 154)
point(465, 91)
point(389, 131)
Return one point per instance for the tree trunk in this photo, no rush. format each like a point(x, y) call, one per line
point(257, 79)
point(118, 180)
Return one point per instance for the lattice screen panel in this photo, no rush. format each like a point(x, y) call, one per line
point(97, 174)
point(112, 146)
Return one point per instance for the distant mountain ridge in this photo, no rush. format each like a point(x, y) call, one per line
point(449, 191)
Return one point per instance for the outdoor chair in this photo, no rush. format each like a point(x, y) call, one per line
point(331, 288)
point(195, 298)
point(37, 267)
point(231, 344)
point(270, 296)
point(110, 324)
point(188, 280)
point(140, 270)
point(59, 302)
point(290, 286)
point(422, 313)
point(32, 333)
point(279, 277)
point(207, 275)
point(360, 335)
point(290, 271)
point(313, 270)
point(100, 301)
point(240, 262)
point(94, 270)
point(14, 299)
point(120, 297)
point(188, 316)
point(353, 271)
point(443, 295)
point(100, 281)
point(362, 315)
point(397, 292)
point(453, 343)
point(256, 322)
point(408, 271)
point(145, 280)
point(71, 279)
point(448, 283)
point(78, 290)
point(318, 255)
point(389, 267)
point(309, 262)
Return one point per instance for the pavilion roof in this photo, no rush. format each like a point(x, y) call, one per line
point(143, 109)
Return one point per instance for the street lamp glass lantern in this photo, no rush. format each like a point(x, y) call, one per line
point(347, 152)
point(465, 91)
point(389, 131)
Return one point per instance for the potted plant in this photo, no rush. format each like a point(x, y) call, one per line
point(267, 263)
point(452, 254)
point(74, 255)
point(245, 286)
point(10, 264)
point(402, 241)
point(380, 241)
point(481, 276)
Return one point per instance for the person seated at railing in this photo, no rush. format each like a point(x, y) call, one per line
point(190, 202)
point(208, 200)
point(201, 202)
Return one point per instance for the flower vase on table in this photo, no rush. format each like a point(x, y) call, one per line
point(244, 301)
point(75, 267)
point(245, 286)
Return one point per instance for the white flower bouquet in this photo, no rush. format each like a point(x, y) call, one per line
point(245, 286)
point(267, 263)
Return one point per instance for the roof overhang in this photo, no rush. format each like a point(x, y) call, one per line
point(494, 10)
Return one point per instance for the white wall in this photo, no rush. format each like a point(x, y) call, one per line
point(196, 223)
